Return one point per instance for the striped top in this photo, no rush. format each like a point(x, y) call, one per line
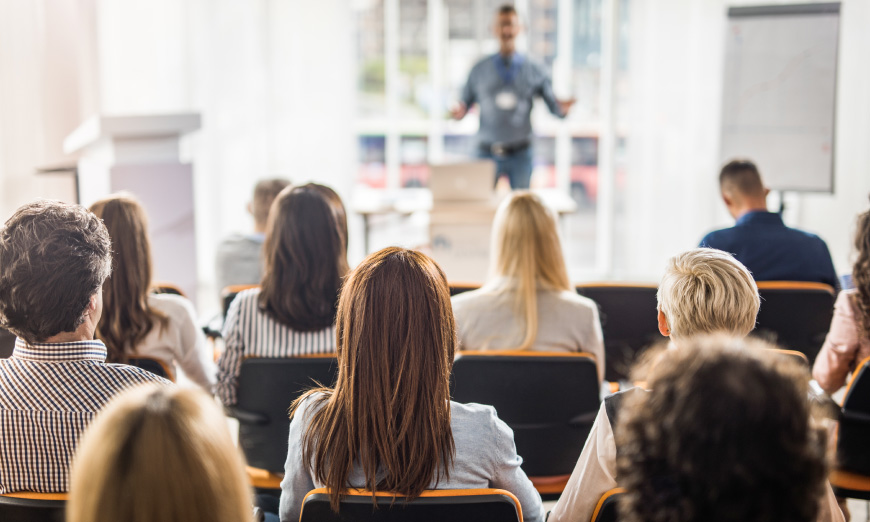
point(48, 395)
point(251, 332)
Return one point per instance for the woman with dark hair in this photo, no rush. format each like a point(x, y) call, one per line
point(137, 322)
point(848, 340)
point(389, 424)
point(293, 311)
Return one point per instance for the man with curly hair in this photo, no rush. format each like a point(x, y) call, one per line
point(54, 258)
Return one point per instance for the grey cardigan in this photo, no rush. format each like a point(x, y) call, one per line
point(486, 457)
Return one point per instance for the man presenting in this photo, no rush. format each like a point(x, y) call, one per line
point(760, 240)
point(504, 86)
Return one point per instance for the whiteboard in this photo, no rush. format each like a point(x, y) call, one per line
point(779, 95)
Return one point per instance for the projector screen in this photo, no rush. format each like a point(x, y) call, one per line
point(779, 95)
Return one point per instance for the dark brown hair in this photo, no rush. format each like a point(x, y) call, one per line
point(861, 273)
point(305, 256)
point(741, 176)
point(127, 318)
point(265, 192)
point(507, 9)
point(53, 258)
point(725, 434)
point(390, 409)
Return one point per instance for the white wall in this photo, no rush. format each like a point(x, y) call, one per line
point(676, 61)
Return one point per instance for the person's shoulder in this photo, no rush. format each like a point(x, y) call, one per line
point(470, 299)
point(170, 304)
point(310, 404)
point(133, 375)
point(473, 417)
point(236, 241)
point(573, 299)
point(716, 237)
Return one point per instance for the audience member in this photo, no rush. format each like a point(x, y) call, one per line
point(158, 453)
point(293, 311)
point(703, 291)
point(760, 240)
point(389, 424)
point(528, 302)
point(848, 341)
point(239, 259)
point(54, 259)
point(724, 434)
point(135, 321)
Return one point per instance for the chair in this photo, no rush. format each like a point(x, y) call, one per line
point(795, 356)
point(479, 505)
point(457, 288)
point(549, 399)
point(155, 366)
point(26, 506)
point(628, 321)
point(851, 477)
point(167, 288)
point(229, 293)
point(606, 509)
point(795, 315)
point(266, 388)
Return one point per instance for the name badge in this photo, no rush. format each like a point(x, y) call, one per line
point(506, 100)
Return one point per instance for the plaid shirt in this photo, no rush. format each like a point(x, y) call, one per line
point(48, 395)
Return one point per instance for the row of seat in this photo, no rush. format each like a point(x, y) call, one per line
point(851, 477)
point(550, 422)
point(480, 505)
point(794, 314)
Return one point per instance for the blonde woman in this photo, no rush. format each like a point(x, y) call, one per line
point(135, 321)
point(159, 453)
point(528, 302)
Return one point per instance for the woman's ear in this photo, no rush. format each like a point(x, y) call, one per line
point(663, 324)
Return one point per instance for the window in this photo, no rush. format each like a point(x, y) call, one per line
point(414, 58)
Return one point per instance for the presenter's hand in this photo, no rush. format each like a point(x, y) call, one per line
point(459, 111)
point(565, 105)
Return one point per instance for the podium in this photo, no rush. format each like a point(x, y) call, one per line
point(140, 155)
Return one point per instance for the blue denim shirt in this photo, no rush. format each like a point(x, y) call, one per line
point(774, 252)
point(525, 80)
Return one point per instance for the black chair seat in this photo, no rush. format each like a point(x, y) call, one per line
point(485, 505)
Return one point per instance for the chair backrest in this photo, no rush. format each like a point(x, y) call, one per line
point(795, 315)
point(458, 287)
point(479, 505)
point(229, 293)
point(794, 355)
point(606, 509)
point(549, 399)
point(155, 366)
point(32, 507)
point(628, 322)
point(167, 288)
point(266, 388)
point(853, 452)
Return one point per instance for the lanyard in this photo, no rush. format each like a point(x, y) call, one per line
point(507, 75)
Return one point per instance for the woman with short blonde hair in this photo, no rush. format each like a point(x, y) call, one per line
point(159, 453)
point(528, 302)
point(705, 290)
